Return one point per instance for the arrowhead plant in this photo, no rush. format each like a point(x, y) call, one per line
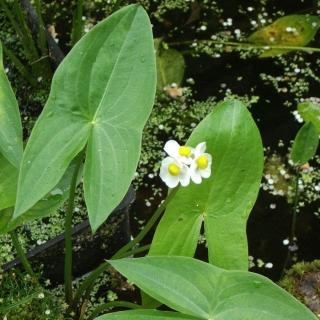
point(91, 129)
point(100, 99)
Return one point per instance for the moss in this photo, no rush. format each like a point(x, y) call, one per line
point(303, 282)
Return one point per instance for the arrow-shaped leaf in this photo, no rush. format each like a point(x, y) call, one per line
point(223, 201)
point(101, 96)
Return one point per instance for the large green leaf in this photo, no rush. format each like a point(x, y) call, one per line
point(223, 201)
point(101, 96)
point(293, 30)
point(146, 315)
point(170, 66)
point(5, 217)
point(204, 291)
point(10, 124)
point(44, 207)
point(310, 111)
point(8, 183)
point(305, 144)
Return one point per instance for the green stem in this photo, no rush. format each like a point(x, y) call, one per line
point(147, 227)
point(68, 234)
point(41, 29)
point(85, 288)
point(294, 221)
point(20, 66)
point(125, 251)
point(17, 27)
point(295, 209)
point(111, 305)
point(133, 252)
point(25, 33)
point(247, 45)
point(78, 23)
point(21, 254)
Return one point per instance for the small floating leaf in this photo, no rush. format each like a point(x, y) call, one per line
point(305, 144)
point(293, 30)
point(170, 66)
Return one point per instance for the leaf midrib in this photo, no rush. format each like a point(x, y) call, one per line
point(177, 293)
point(206, 206)
point(114, 66)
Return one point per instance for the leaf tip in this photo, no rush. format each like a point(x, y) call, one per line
point(94, 223)
point(119, 263)
point(16, 213)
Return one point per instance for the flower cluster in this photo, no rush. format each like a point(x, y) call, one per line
point(185, 163)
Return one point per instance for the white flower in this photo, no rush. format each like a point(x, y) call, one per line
point(183, 154)
point(201, 164)
point(185, 163)
point(41, 295)
point(173, 172)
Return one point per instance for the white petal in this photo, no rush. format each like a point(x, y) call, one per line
point(195, 176)
point(200, 148)
point(185, 180)
point(185, 160)
point(193, 165)
point(209, 156)
point(164, 173)
point(185, 177)
point(172, 181)
point(168, 160)
point(171, 148)
point(205, 173)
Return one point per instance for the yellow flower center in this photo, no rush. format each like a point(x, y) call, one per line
point(202, 162)
point(184, 151)
point(173, 169)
